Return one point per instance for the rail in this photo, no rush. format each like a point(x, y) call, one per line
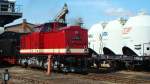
point(114, 79)
point(118, 79)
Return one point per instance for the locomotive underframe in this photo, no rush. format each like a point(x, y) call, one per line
point(60, 63)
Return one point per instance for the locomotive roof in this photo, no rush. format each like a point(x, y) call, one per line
point(70, 27)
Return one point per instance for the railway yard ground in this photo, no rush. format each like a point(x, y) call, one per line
point(21, 75)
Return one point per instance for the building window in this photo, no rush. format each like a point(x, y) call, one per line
point(76, 32)
point(4, 7)
point(105, 34)
point(90, 36)
point(77, 38)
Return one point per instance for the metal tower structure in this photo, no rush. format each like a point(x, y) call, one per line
point(61, 17)
point(8, 12)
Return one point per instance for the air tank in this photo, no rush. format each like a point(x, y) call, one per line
point(95, 38)
point(136, 34)
point(112, 37)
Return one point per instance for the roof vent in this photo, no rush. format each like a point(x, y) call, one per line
point(142, 12)
point(122, 20)
point(104, 24)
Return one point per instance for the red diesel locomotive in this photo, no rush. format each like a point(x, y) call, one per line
point(68, 46)
point(65, 40)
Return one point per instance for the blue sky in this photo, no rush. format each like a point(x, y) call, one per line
point(92, 11)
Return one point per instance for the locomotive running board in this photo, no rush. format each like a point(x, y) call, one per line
point(51, 51)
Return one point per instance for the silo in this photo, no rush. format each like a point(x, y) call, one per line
point(95, 38)
point(136, 34)
point(112, 37)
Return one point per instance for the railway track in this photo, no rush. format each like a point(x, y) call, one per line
point(25, 80)
point(113, 79)
point(24, 76)
point(93, 77)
